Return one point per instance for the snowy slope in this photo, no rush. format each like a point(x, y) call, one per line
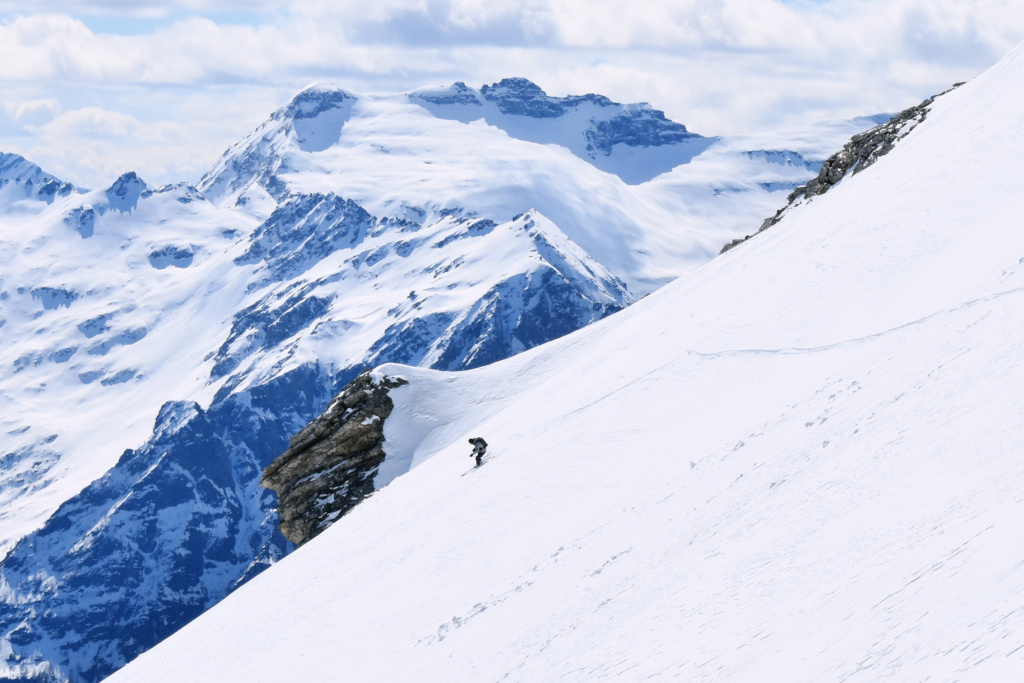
point(799, 461)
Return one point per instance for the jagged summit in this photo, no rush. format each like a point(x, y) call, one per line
point(312, 121)
point(317, 115)
point(314, 100)
point(21, 179)
point(525, 98)
point(635, 142)
point(123, 195)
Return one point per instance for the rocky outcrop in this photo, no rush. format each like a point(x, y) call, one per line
point(332, 461)
point(861, 151)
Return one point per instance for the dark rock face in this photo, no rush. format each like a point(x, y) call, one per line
point(34, 183)
point(304, 230)
point(633, 141)
point(526, 310)
point(123, 338)
point(266, 324)
point(641, 128)
point(458, 93)
point(170, 255)
point(634, 126)
point(522, 97)
point(124, 194)
point(309, 104)
point(863, 150)
point(82, 220)
point(95, 326)
point(54, 297)
point(331, 463)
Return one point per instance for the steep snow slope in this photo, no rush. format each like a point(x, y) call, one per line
point(800, 461)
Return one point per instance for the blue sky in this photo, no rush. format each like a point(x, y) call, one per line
point(92, 88)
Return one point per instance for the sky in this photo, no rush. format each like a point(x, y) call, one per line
point(91, 89)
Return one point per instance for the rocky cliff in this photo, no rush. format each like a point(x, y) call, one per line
point(330, 465)
point(863, 150)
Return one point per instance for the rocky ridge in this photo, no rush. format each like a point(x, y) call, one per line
point(25, 180)
point(331, 463)
point(863, 150)
point(603, 133)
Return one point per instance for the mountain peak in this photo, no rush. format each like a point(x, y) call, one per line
point(520, 96)
point(123, 195)
point(314, 100)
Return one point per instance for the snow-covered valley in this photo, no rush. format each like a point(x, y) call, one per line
point(162, 344)
point(799, 461)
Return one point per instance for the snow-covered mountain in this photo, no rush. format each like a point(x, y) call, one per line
point(420, 156)
point(162, 344)
point(799, 461)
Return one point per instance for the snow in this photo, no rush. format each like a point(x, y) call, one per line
point(800, 460)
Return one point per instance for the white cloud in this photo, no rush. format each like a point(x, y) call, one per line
point(32, 112)
point(716, 65)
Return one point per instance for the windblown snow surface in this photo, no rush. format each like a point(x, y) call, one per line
point(799, 462)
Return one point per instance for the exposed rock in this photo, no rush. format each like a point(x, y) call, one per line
point(861, 151)
point(126, 191)
point(55, 297)
point(170, 255)
point(332, 461)
point(521, 97)
point(27, 179)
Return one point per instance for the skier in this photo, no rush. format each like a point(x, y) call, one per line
point(479, 448)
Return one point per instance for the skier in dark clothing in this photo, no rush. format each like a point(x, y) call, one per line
point(479, 448)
